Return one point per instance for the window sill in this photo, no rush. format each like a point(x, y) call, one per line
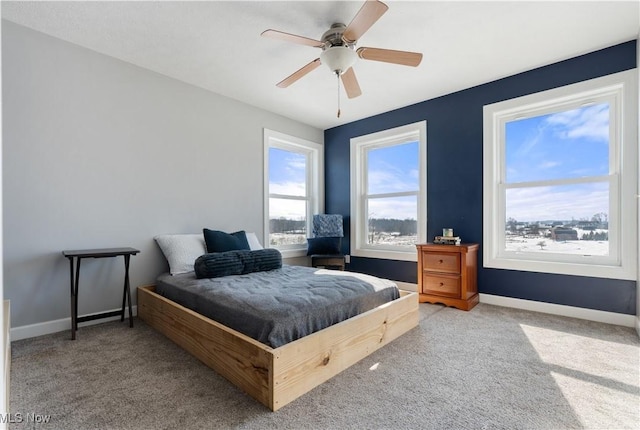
point(588, 268)
point(292, 253)
point(386, 254)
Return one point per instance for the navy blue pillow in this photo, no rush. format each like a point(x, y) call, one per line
point(240, 262)
point(219, 241)
point(323, 246)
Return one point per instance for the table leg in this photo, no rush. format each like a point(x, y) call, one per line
point(77, 291)
point(126, 294)
point(124, 291)
point(71, 306)
point(74, 295)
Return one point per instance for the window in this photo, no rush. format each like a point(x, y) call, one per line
point(388, 192)
point(560, 172)
point(293, 191)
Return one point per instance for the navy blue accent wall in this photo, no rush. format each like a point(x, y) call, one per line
point(454, 179)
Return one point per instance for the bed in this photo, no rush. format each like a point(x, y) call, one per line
point(277, 365)
point(278, 306)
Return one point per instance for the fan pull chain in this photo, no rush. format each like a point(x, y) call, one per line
point(338, 76)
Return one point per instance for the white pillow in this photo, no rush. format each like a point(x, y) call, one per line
point(181, 250)
point(254, 243)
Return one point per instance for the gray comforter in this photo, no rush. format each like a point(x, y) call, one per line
point(282, 305)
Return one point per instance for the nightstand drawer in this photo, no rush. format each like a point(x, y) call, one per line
point(446, 262)
point(441, 285)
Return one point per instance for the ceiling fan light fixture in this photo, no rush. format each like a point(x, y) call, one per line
point(339, 58)
point(339, 52)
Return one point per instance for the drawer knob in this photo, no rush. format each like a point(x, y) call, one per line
point(442, 284)
point(441, 261)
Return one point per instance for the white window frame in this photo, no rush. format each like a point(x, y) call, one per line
point(359, 147)
point(314, 183)
point(620, 91)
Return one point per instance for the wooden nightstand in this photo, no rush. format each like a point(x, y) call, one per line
point(447, 274)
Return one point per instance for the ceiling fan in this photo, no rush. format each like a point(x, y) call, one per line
point(339, 51)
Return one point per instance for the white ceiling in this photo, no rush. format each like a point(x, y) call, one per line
point(217, 45)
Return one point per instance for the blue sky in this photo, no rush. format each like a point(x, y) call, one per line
point(391, 169)
point(565, 145)
point(286, 172)
point(286, 176)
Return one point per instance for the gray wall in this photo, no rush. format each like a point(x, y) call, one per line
point(101, 153)
point(638, 202)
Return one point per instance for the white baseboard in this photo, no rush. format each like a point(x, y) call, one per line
point(562, 310)
point(550, 308)
point(49, 327)
point(407, 286)
point(6, 372)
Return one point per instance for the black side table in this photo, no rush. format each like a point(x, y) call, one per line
point(335, 262)
point(98, 253)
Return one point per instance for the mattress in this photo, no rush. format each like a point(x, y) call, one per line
point(279, 306)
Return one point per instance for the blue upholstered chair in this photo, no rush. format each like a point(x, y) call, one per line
point(325, 245)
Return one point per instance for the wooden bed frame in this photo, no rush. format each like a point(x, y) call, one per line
point(276, 377)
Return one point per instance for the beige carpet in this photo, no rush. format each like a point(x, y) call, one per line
point(491, 368)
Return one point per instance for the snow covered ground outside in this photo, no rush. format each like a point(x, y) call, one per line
point(580, 247)
point(380, 239)
point(287, 239)
point(513, 243)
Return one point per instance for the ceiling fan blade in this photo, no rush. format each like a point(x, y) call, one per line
point(350, 83)
point(299, 74)
point(368, 14)
point(404, 58)
point(287, 37)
